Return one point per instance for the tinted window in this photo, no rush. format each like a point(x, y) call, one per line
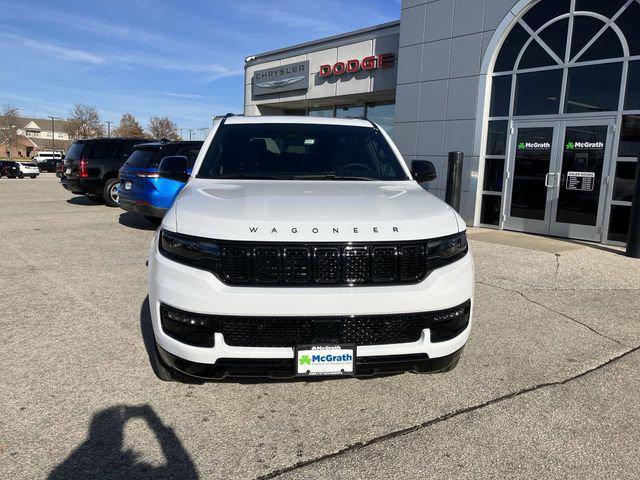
point(630, 136)
point(321, 112)
point(294, 151)
point(545, 11)
point(500, 96)
point(383, 114)
point(625, 181)
point(511, 48)
point(349, 111)
point(594, 88)
point(106, 149)
point(535, 56)
point(619, 223)
point(628, 23)
point(584, 29)
point(606, 46)
point(632, 100)
point(490, 213)
point(607, 7)
point(75, 151)
point(497, 137)
point(190, 152)
point(538, 93)
point(555, 36)
point(493, 173)
point(143, 158)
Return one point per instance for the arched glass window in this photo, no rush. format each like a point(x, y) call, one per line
point(564, 58)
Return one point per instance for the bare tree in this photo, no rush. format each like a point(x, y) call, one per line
point(8, 126)
point(129, 127)
point(84, 122)
point(162, 127)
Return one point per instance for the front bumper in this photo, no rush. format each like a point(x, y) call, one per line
point(198, 291)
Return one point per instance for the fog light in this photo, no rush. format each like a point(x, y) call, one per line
point(189, 328)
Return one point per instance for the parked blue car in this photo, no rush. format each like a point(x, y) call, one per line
point(141, 188)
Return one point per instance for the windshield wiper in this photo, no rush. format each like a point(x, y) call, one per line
point(332, 176)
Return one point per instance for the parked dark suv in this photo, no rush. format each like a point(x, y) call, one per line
point(91, 167)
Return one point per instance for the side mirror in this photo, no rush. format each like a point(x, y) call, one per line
point(174, 168)
point(423, 171)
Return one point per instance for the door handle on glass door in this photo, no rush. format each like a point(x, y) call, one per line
point(546, 180)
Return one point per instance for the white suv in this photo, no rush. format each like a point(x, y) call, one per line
point(305, 246)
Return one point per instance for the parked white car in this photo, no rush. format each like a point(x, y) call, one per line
point(47, 155)
point(306, 246)
point(28, 169)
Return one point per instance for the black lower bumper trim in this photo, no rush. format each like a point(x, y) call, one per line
point(283, 368)
point(147, 210)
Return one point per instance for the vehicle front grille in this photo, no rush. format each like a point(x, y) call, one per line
point(323, 264)
point(358, 330)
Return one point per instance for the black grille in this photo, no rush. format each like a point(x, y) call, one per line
point(323, 264)
point(359, 330)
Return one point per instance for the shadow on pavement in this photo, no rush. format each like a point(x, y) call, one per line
point(81, 200)
point(138, 222)
point(103, 456)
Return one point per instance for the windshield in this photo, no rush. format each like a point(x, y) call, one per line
point(283, 151)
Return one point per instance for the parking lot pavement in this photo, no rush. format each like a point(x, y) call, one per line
point(547, 387)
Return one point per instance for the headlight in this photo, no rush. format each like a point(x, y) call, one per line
point(194, 251)
point(444, 251)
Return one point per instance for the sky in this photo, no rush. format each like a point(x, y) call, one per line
point(183, 59)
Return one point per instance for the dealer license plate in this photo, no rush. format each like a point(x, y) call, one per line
point(127, 185)
point(325, 360)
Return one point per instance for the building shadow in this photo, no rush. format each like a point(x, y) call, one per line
point(133, 220)
point(103, 455)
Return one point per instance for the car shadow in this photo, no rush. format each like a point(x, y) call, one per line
point(146, 330)
point(103, 454)
point(133, 220)
point(81, 200)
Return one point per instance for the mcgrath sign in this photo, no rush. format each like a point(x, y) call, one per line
point(293, 76)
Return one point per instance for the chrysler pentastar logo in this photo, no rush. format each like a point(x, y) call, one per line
point(280, 83)
point(332, 230)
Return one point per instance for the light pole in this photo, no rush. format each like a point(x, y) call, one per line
point(190, 133)
point(53, 134)
point(181, 137)
point(108, 128)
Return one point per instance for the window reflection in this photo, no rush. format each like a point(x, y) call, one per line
point(594, 88)
point(538, 93)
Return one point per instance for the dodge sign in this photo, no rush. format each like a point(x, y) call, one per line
point(294, 76)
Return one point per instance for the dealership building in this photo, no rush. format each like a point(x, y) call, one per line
point(541, 96)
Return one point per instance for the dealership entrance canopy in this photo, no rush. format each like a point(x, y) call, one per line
point(543, 98)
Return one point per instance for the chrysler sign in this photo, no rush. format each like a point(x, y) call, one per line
point(294, 76)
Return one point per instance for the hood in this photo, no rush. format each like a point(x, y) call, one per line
point(309, 211)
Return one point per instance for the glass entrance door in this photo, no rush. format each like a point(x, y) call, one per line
point(579, 190)
point(531, 160)
point(555, 178)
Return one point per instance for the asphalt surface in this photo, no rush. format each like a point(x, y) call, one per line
point(548, 386)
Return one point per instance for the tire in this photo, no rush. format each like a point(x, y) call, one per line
point(110, 192)
point(95, 199)
point(33, 176)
